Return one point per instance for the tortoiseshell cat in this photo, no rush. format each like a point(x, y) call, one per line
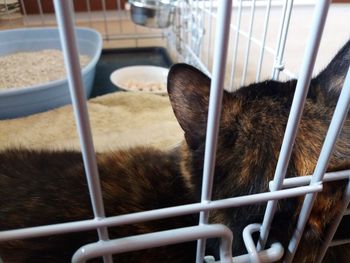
point(46, 187)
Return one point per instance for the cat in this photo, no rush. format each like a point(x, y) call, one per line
point(47, 187)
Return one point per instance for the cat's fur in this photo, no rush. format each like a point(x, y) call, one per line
point(42, 187)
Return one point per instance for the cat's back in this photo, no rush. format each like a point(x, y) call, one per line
point(51, 187)
point(47, 187)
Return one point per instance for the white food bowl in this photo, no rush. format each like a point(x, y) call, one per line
point(16, 102)
point(147, 79)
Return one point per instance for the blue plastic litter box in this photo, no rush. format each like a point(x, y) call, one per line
point(17, 102)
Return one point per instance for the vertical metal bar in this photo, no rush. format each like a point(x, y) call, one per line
point(235, 48)
point(105, 19)
point(216, 93)
point(262, 49)
point(335, 127)
point(183, 25)
point(335, 224)
point(41, 12)
point(6, 9)
point(119, 8)
point(190, 29)
point(301, 90)
point(249, 242)
point(136, 38)
point(209, 31)
point(64, 14)
point(88, 7)
point(279, 38)
point(204, 19)
point(277, 67)
point(24, 13)
point(167, 237)
point(200, 29)
point(246, 59)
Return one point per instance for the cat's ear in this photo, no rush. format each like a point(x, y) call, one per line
point(332, 78)
point(189, 90)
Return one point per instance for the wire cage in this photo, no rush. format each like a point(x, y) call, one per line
point(223, 39)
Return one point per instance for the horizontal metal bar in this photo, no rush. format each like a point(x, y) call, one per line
point(347, 212)
point(262, 4)
point(133, 36)
point(339, 242)
point(133, 218)
point(272, 254)
point(158, 239)
point(305, 180)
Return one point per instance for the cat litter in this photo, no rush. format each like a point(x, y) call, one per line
point(24, 69)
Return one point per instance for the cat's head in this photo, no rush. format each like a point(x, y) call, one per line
point(253, 120)
point(252, 125)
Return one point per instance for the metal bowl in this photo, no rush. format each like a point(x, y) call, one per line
point(152, 13)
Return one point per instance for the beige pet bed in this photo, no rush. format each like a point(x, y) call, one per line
point(118, 120)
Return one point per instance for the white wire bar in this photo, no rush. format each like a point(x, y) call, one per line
point(297, 107)
point(272, 254)
point(105, 19)
point(24, 10)
point(88, 9)
point(306, 179)
point(64, 14)
point(134, 218)
point(277, 66)
point(327, 241)
point(262, 49)
point(282, 38)
point(254, 40)
point(216, 94)
point(339, 242)
point(101, 223)
point(187, 34)
point(7, 12)
point(235, 47)
point(197, 60)
point(41, 12)
point(335, 127)
point(119, 8)
point(246, 57)
point(249, 242)
point(209, 29)
point(158, 239)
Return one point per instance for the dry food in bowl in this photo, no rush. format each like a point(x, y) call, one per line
point(149, 79)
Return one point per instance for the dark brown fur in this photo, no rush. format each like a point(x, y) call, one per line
point(39, 188)
point(49, 187)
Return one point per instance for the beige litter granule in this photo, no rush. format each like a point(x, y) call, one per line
point(25, 69)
